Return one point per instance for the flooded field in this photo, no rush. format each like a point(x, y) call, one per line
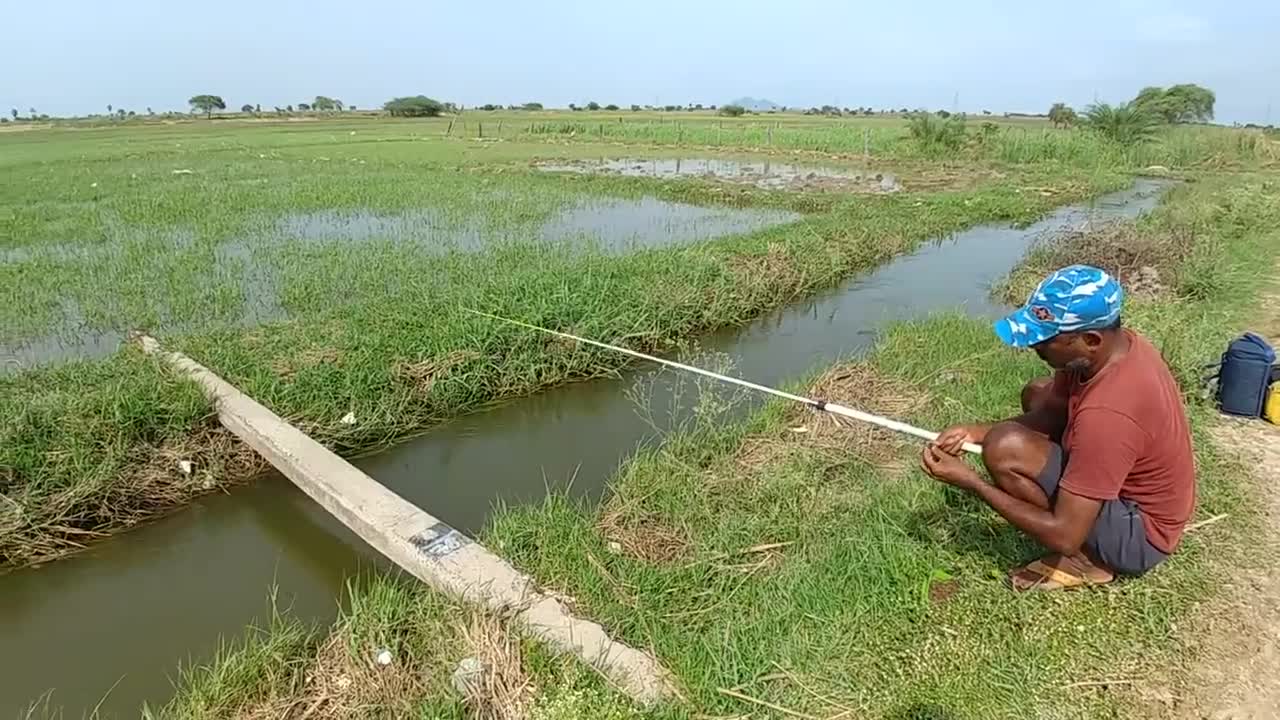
point(249, 275)
point(763, 174)
point(123, 613)
point(608, 224)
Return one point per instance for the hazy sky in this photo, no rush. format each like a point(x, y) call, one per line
point(76, 56)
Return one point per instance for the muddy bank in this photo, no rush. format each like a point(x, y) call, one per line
point(762, 174)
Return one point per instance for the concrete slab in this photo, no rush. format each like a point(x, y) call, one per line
point(427, 548)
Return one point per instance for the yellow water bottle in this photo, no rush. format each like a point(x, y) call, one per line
point(1271, 406)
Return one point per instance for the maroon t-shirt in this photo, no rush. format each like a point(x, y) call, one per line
point(1127, 437)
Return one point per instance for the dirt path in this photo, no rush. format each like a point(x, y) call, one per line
point(1237, 674)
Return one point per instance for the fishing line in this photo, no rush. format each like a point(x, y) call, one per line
point(822, 405)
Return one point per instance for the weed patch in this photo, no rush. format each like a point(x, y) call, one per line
point(1144, 260)
point(397, 651)
point(641, 535)
point(499, 688)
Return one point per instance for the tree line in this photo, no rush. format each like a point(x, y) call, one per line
point(1137, 119)
point(1131, 121)
point(207, 104)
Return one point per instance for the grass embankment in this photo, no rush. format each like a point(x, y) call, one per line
point(821, 571)
point(320, 327)
point(880, 140)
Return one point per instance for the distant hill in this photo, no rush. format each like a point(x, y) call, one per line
point(756, 104)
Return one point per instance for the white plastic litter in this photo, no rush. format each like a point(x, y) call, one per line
point(185, 466)
point(348, 419)
point(468, 676)
point(384, 657)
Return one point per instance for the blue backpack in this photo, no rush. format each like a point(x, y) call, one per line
point(1244, 375)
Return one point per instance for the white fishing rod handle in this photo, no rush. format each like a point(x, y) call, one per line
point(888, 424)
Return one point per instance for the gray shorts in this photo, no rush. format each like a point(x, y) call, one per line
point(1119, 537)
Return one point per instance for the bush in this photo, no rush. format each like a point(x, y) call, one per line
point(532, 106)
point(1127, 124)
point(1062, 116)
point(610, 107)
point(936, 132)
point(593, 105)
point(733, 110)
point(415, 106)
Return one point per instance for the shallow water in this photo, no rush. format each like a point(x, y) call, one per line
point(613, 225)
point(760, 173)
point(129, 609)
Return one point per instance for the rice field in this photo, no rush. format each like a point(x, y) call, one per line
point(324, 266)
point(311, 263)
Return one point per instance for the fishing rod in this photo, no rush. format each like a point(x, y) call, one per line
point(822, 405)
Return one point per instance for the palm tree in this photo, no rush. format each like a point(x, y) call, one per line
point(1127, 123)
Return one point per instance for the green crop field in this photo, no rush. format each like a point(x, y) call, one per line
point(324, 266)
point(321, 266)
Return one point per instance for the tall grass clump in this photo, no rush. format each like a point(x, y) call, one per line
point(934, 133)
point(1125, 124)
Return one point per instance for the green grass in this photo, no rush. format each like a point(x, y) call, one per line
point(1175, 147)
point(287, 667)
point(848, 615)
point(104, 237)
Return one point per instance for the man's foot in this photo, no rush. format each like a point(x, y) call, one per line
point(1055, 572)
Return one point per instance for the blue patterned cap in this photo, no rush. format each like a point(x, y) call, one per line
point(1078, 297)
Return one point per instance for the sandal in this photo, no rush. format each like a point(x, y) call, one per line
point(1054, 572)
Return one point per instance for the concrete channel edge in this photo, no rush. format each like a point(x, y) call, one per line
point(427, 548)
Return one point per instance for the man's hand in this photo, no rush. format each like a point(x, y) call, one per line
point(948, 468)
point(951, 441)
